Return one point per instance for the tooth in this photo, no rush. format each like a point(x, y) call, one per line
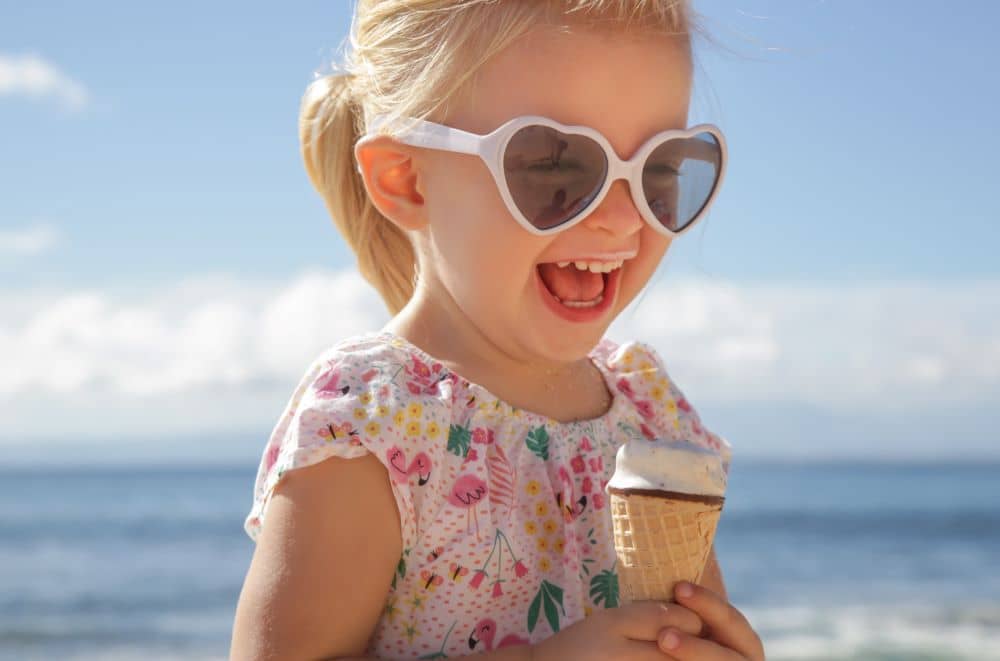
point(595, 267)
point(581, 265)
point(607, 267)
point(562, 265)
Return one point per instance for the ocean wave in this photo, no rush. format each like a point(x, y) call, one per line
point(910, 631)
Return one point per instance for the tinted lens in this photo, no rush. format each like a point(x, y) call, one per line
point(552, 176)
point(679, 177)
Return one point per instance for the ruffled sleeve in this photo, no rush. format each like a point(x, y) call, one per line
point(663, 409)
point(342, 407)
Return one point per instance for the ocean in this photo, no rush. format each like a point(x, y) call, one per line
point(830, 561)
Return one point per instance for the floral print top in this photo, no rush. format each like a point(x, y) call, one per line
point(505, 524)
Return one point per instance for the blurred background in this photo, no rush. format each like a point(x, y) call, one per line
point(167, 274)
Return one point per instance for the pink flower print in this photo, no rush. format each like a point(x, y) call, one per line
point(585, 444)
point(471, 456)
point(497, 590)
point(683, 405)
point(577, 464)
point(645, 408)
point(695, 427)
point(520, 569)
point(598, 501)
point(597, 464)
point(369, 375)
point(624, 386)
point(478, 578)
point(588, 485)
point(424, 379)
point(272, 455)
point(328, 385)
point(647, 432)
point(482, 435)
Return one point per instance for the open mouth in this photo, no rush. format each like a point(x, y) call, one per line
point(579, 291)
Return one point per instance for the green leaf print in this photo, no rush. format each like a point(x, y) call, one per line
point(533, 610)
point(538, 442)
point(458, 440)
point(604, 587)
point(549, 596)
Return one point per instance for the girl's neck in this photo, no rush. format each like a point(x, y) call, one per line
point(563, 391)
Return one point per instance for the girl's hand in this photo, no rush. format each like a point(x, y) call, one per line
point(726, 636)
point(627, 633)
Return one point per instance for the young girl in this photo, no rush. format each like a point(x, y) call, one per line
point(509, 174)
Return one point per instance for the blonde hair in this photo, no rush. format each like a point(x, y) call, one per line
point(407, 59)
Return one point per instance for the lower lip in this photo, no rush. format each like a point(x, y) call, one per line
point(581, 315)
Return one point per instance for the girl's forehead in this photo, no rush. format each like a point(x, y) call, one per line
point(626, 88)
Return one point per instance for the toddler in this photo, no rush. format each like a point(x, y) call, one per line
point(509, 174)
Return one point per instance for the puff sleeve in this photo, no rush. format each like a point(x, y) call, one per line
point(660, 402)
point(338, 409)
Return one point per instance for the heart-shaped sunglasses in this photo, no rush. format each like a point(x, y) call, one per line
point(552, 175)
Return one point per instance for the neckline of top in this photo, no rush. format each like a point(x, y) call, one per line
point(618, 398)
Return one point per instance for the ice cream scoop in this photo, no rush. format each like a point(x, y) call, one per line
point(669, 465)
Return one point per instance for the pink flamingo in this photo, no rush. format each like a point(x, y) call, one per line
point(328, 386)
point(466, 493)
point(400, 472)
point(570, 508)
point(484, 632)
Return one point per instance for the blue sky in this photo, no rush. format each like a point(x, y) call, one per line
point(842, 298)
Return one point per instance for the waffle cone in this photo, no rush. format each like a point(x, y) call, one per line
point(661, 540)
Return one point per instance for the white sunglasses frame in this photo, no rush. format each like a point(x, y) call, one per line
point(490, 148)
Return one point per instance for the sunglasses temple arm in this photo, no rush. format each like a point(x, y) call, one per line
point(420, 133)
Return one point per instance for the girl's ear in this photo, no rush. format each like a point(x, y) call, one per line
point(392, 180)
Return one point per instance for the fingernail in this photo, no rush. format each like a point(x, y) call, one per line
point(685, 590)
point(670, 640)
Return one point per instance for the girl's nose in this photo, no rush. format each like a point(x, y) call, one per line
point(616, 213)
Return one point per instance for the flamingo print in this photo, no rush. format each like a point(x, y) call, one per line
point(466, 493)
point(485, 631)
point(327, 384)
point(564, 499)
point(400, 472)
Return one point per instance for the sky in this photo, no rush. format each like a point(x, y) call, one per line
point(167, 272)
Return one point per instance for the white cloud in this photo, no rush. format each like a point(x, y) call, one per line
point(31, 75)
point(28, 241)
point(220, 354)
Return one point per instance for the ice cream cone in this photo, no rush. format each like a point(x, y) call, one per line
point(661, 537)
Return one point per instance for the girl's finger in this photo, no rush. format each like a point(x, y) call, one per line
point(685, 647)
point(646, 620)
point(725, 624)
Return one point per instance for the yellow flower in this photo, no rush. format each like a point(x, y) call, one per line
point(559, 545)
point(432, 429)
point(372, 429)
point(543, 544)
point(628, 358)
point(411, 631)
point(587, 610)
point(550, 527)
point(672, 406)
point(545, 564)
point(381, 410)
point(663, 381)
point(390, 609)
point(399, 418)
point(360, 414)
point(417, 602)
point(656, 392)
point(677, 424)
point(413, 429)
point(541, 509)
point(414, 409)
point(530, 527)
point(365, 398)
point(533, 488)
